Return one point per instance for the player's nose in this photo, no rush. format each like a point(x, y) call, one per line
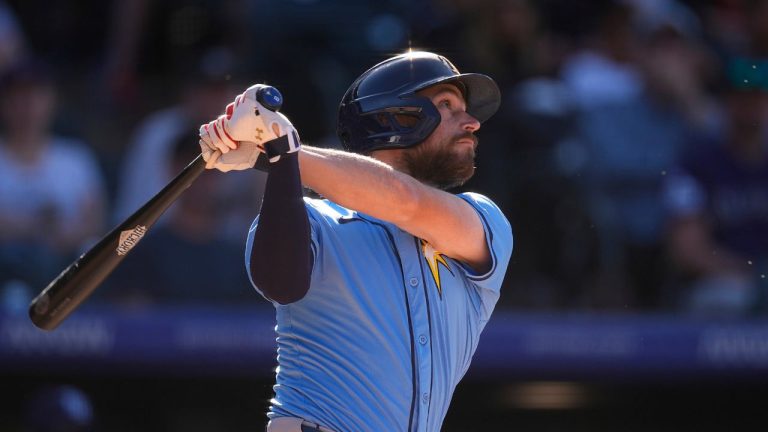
point(469, 123)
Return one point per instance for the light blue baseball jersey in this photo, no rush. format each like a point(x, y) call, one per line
point(388, 326)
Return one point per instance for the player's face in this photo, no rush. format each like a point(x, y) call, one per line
point(446, 159)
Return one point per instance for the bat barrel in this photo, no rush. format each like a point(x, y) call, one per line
point(85, 274)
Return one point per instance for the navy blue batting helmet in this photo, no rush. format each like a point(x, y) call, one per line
point(381, 109)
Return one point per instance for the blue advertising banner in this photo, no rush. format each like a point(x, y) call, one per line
point(240, 341)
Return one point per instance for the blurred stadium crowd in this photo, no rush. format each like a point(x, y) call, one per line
point(630, 153)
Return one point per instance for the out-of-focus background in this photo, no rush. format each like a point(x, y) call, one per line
point(630, 154)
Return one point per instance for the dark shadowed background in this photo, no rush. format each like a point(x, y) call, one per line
point(630, 155)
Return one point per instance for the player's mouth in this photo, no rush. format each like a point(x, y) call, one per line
point(467, 139)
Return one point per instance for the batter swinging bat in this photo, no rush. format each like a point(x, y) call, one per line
point(65, 293)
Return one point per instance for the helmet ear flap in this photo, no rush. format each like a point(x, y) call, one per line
point(383, 122)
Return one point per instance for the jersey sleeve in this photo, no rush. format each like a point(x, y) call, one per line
point(498, 236)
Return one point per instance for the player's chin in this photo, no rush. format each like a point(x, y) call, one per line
point(465, 174)
point(459, 174)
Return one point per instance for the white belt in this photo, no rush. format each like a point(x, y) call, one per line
point(294, 424)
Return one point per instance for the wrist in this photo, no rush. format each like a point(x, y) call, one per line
point(283, 145)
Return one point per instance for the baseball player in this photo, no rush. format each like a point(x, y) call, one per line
point(383, 287)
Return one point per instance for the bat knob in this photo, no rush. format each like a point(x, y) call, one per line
point(270, 98)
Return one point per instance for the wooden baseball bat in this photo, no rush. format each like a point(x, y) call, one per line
point(65, 293)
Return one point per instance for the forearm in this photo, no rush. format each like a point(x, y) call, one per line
point(360, 183)
point(281, 258)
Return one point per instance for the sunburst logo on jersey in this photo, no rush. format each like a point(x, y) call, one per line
point(434, 258)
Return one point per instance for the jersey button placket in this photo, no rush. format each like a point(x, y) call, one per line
point(419, 308)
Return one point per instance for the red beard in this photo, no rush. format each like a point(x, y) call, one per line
point(448, 166)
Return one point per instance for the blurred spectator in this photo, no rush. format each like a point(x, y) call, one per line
point(532, 146)
point(51, 189)
point(604, 71)
point(149, 41)
point(208, 89)
point(678, 69)
point(529, 158)
point(186, 260)
point(633, 131)
point(12, 41)
point(737, 26)
point(69, 37)
point(718, 205)
point(526, 156)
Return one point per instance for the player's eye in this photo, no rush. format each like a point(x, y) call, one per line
point(445, 103)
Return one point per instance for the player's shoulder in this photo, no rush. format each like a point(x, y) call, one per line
point(481, 201)
point(491, 214)
point(326, 209)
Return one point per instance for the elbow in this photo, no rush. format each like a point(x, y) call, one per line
point(285, 297)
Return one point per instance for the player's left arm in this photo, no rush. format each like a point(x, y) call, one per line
point(279, 258)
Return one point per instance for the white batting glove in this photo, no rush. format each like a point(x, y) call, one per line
point(253, 117)
point(242, 158)
point(251, 120)
point(248, 120)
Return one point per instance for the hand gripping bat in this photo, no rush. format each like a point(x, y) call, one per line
point(68, 290)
